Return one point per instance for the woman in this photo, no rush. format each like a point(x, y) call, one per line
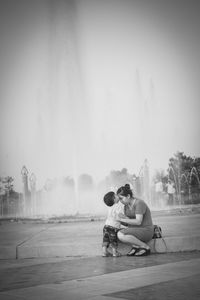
point(140, 226)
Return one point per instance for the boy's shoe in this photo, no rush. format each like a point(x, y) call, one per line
point(116, 254)
point(106, 254)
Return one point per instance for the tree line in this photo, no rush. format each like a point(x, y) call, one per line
point(183, 171)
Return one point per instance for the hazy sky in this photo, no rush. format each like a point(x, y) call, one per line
point(89, 86)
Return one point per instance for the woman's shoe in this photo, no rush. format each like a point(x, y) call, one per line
point(133, 251)
point(143, 252)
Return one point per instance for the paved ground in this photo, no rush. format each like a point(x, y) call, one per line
point(33, 240)
point(158, 276)
point(81, 273)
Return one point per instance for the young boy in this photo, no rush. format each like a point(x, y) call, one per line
point(112, 226)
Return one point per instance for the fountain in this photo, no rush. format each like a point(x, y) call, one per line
point(32, 181)
point(74, 118)
point(193, 172)
point(177, 183)
point(58, 197)
point(26, 192)
point(143, 188)
point(180, 179)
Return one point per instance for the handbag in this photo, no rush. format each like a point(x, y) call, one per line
point(158, 235)
point(157, 232)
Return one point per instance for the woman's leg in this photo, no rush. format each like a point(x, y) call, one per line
point(132, 240)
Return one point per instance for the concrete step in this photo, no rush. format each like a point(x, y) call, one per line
point(180, 233)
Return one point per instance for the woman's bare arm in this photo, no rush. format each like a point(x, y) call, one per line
point(137, 221)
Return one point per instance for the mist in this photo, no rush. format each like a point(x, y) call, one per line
point(94, 86)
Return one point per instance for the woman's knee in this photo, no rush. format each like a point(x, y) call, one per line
point(120, 235)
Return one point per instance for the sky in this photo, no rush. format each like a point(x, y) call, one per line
point(91, 86)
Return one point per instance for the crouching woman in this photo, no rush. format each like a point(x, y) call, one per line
point(140, 228)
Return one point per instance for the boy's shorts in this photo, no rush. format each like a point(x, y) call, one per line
point(110, 236)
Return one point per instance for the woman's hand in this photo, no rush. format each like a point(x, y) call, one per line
point(137, 221)
point(122, 216)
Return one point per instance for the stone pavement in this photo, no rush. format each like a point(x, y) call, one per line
point(63, 261)
point(158, 276)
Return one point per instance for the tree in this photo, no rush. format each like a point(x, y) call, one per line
point(85, 182)
point(159, 175)
point(184, 171)
point(7, 184)
point(117, 178)
point(68, 182)
point(7, 192)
